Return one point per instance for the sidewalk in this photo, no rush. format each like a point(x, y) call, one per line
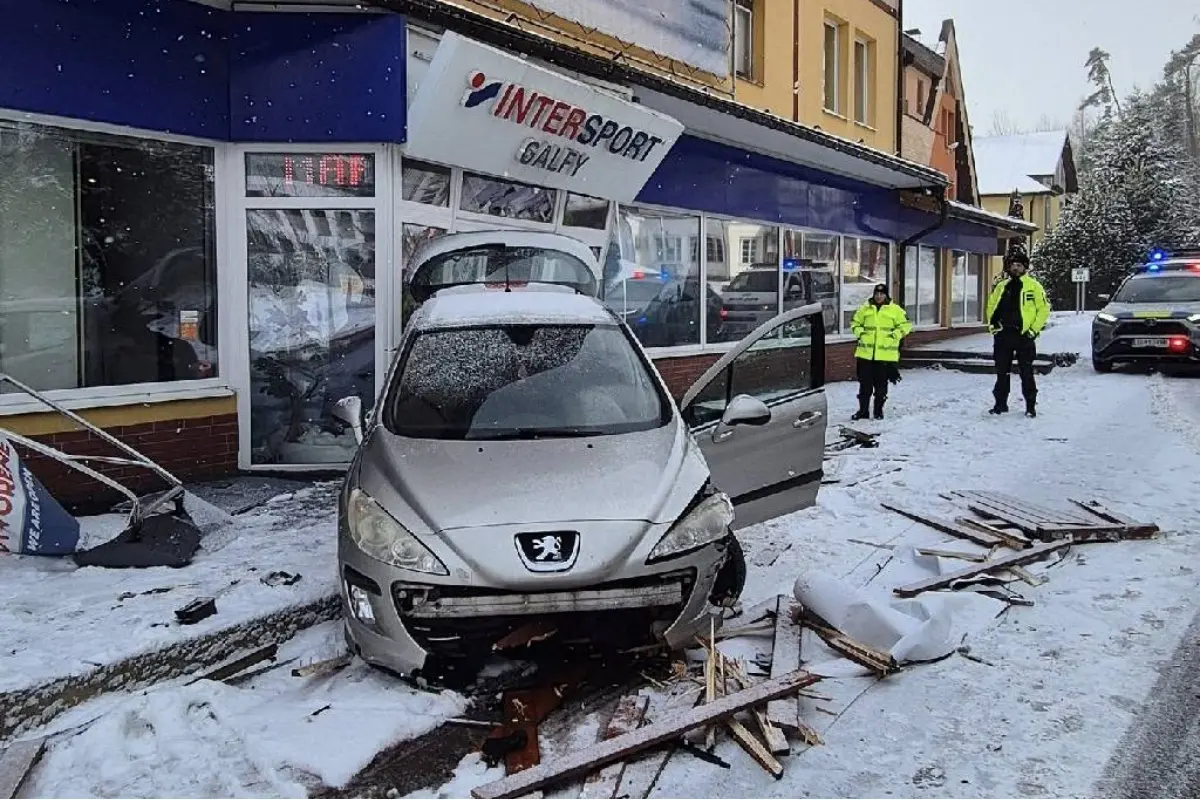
point(70, 633)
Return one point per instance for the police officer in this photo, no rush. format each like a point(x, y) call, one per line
point(879, 325)
point(1017, 311)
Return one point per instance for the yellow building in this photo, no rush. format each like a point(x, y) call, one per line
point(1038, 166)
point(826, 63)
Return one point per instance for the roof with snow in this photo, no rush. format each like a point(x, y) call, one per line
point(1005, 163)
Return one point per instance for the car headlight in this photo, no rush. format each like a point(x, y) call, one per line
point(1103, 317)
point(381, 537)
point(707, 523)
point(1194, 318)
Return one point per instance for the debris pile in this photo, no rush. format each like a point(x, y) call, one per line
point(1030, 531)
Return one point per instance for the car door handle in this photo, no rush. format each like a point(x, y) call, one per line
point(808, 419)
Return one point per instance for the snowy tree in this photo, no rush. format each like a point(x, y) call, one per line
point(1140, 188)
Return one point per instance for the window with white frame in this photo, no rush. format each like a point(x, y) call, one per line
point(966, 289)
point(862, 81)
point(832, 69)
point(749, 250)
point(921, 285)
point(107, 259)
point(750, 295)
point(743, 38)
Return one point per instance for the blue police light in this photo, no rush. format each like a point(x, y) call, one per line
point(664, 275)
point(1157, 254)
point(790, 264)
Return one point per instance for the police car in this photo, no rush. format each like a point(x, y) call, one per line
point(1153, 317)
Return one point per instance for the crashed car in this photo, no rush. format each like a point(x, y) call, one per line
point(526, 463)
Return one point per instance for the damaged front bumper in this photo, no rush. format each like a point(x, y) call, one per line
point(408, 622)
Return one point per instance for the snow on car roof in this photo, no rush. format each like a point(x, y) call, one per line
point(477, 305)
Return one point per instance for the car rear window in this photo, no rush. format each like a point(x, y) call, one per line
point(526, 381)
point(1160, 289)
point(498, 264)
point(751, 281)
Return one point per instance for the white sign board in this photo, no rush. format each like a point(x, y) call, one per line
point(488, 111)
point(1081, 275)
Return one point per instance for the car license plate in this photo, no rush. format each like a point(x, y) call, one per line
point(1150, 341)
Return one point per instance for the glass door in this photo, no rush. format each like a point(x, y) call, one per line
point(314, 268)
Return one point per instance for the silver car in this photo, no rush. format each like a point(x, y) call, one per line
point(525, 463)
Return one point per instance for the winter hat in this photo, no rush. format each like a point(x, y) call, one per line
point(882, 287)
point(1017, 255)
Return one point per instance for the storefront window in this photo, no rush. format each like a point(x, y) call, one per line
point(312, 329)
point(107, 272)
point(864, 264)
point(974, 292)
point(958, 287)
point(810, 272)
point(582, 211)
point(652, 278)
point(748, 290)
point(921, 283)
point(426, 183)
point(500, 198)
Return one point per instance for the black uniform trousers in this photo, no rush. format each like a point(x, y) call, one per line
point(1010, 343)
point(872, 378)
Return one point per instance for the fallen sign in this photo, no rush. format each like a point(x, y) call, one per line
point(601, 754)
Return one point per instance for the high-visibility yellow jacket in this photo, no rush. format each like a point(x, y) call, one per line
point(879, 330)
point(1035, 307)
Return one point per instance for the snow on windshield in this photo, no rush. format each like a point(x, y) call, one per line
point(525, 381)
point(1161, 289)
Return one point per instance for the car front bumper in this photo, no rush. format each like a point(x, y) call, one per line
point(416, 620)
point(1135, 340)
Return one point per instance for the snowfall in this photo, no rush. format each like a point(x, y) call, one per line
point(1039, 706)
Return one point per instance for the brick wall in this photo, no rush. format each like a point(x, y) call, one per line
point(681, 371)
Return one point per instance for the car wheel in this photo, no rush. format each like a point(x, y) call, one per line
point(1100, 365)
point(727, 588)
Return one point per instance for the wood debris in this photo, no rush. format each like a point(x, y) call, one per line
point(880, 663)
point(16, 762)
point(627, 716)
point(947, 581)
point(604, 753)
point(320, 668)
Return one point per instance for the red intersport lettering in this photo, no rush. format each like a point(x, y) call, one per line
point(570, 126)
point(520, 105)
point(502, 103)
point(554, 121)
point(543, 103)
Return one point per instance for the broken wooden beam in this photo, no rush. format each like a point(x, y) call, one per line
point(955, 554)
point(626, 717)
point(945, 526)
point(777, 743)
point(604, 753)
point(1020, 558)
point(16, 762)
point(239, 664)
point(1017, 541)
point(319, 668)
point(785, 658)
point(755, 748)
point(882, 664)
point(1108, 515)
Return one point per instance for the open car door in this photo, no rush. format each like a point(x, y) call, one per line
point(759, 416)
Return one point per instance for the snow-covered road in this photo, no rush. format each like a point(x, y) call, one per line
point(1062, 682)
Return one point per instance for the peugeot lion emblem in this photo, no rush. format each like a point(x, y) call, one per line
point(554, 551)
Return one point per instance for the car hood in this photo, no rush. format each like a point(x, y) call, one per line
point(438, 485)
point(1152, 310)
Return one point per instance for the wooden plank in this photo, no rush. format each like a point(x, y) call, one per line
point(777, 743)
point(1025, 526)
point(641, 772)
point(605, 753)
point(785, 658)
point(1018, 559)
point(525, 709)
point(231, 668)
point(945, 526)
point(956, 554)
point(755, 748)
point(1106, 514)
point(1053, 515)
point(1017, 541)
point(627, 716)
point(319, 668)
point(882, 664)
point(16, 762)
point(1027, 576)
point(1006, 505)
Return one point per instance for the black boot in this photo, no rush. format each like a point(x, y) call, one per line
point(860, 414)
point(999, 408)
point(1030, 408)
point(879, 409)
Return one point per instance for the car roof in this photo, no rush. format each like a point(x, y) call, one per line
point(479, 306)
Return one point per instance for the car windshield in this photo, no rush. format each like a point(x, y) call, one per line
point(633, 293)
point(498, 263)
point(524, 381)
point(754, 281)
point(1160, 289)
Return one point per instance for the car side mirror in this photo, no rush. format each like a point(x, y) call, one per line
point(746, 410)
point(350, 411)
point(1104, 298)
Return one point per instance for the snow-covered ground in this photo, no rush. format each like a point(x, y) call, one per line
point(1061, 682)
point(61, 620)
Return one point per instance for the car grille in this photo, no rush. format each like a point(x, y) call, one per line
point(1141, 327)
point(462, 637)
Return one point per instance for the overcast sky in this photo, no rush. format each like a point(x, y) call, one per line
point(1026, 57)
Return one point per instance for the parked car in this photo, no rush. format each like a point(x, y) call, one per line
point(752, 297)
point(1153, 318)
point(525, 462)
